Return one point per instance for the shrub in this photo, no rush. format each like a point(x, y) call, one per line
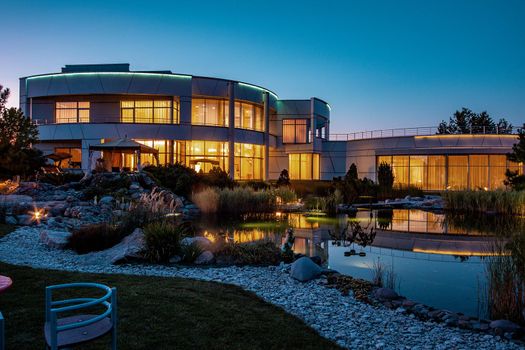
point(385, 177)
point(253, 253)
point(163, 240)
point(217, 177)
point(94, 237)
point(245, 200)
point(284, 178)
point(106, 183)
point(304, 188)
point(177, 177)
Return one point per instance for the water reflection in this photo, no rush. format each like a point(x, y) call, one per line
point(441, 260)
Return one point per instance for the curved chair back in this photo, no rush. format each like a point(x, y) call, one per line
point(2, 345)
point(54, 308)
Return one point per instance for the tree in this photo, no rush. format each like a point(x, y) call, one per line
point(351, 174)
point(284, 179)
point(514, 180)
point(468, 122)
point(17, 135)
point(385, 177)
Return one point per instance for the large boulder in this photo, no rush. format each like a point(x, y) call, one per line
point(205, 258)
point(129, 249)
point(385, 294)
point(25, 219)
point(504, 326)
point(202, 242)
point(14, 199)
point(55, 239)
point(304, 269)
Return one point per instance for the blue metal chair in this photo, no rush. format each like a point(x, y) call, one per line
point(2, 345)
point(72, 330)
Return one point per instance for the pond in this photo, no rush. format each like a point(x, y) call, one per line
point(433, 258)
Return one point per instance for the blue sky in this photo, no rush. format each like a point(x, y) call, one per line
point(380, 64)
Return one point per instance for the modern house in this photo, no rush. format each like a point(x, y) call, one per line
point(242, 128)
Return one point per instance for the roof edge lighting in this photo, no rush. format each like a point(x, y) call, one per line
point(181, 76)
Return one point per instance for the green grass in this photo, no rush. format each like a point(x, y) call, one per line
point(161, 313)
point(6, 229)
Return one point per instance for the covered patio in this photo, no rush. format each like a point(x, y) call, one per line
point(121, 155)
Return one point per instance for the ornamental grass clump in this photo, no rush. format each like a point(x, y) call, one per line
point(260, 253)
point(207, 200)
point(499, 201)
point(163, 240)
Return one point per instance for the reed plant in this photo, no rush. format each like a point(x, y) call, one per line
point(499, 201)
point(241, 200)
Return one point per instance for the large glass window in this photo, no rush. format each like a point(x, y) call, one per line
point(204, 155)
point(249, 116)
point(149, 111)
point(476, 171)
point(76, 157)
point(457, 172)
point(295, 130)
point(479, 172)
point(249, 161)
point(436, 173)
point(303, 166)
point(72, 112)
point(209, 112)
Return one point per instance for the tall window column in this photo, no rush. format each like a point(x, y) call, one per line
point(266, 134)
point(231, 130)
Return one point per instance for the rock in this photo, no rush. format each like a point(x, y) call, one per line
point(385, 294)
point(106, 200)
point(135, 186)
point(304, 269)
point(205, 258)
point(25, 219)
point(10, 220)
point(129, 249)
point(408, 303)
point(14, 199)
point(175, 259)
point(203, 242)
point(55, 239)
point(317, 259)
point(504, 326)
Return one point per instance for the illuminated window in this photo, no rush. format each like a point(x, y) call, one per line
point(400, 170)
point(418, 171)
point(457, 172)
point(436, 173)
point(249, 116)
point(150, 111)
point(209, 112)
point(72, 112)
point(76, 157)
point(478, 172)
point(203, 155)
point(249, 161)
point(303, 166)
point(295, 130)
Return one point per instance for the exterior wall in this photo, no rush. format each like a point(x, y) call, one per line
point(105, 87)
point(364, 152)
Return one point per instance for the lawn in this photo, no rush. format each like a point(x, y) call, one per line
point(5, 229)
point(161, 313)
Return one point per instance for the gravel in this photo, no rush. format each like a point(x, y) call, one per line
point(348, 322)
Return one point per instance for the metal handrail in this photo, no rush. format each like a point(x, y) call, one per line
point(416, 131)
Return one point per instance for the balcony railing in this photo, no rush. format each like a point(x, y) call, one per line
point(419, 131)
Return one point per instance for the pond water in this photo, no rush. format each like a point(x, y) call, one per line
point(434, 259)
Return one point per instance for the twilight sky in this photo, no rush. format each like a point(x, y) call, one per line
point(380, 64)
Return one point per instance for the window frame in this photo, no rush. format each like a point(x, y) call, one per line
point(77, 110)
point(294, 122)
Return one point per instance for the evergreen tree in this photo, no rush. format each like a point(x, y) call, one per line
point(468, 122)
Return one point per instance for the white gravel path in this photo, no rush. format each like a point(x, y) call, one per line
point(350, 323)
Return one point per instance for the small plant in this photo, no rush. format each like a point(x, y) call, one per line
point(190, 252)
point(94, 237)
point(163, 240)
point(253, 253)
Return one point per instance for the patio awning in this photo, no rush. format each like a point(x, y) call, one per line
point(59, 156)
point(124, 145)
